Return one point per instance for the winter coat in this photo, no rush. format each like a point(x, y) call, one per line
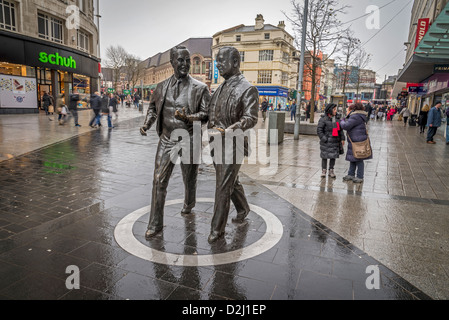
point(329, 145)
point(434, 118)
point(95, 102)
point(422, 120)
point(355, 127)
point(73, 101)
point(46, 99)
point(406, 112)
point(104, 105)
point(264, 106)
point(113, 103)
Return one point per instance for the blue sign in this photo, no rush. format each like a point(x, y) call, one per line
point(215, 70)
point(273, 91)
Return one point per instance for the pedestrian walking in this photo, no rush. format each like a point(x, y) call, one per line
point(264, 109)
point(355, 126)
point(106, 110)
point(422, 120)
point(293, 111)
point(95, 103)
point(46, 102)
point(73, 106)
point(113, 103)
point(136, 100)
point(405, 114)
point(332, 139)
point(433, 122)
point(308, 111)
point(369, 110)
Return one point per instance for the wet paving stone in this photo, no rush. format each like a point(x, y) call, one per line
point(74, 194)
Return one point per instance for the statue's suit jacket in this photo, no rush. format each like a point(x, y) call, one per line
point(198, 97)
point(240, 107)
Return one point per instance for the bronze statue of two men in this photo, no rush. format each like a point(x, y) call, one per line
point(178, 103)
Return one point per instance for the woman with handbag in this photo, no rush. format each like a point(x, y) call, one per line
point(355, 126)
point(332, 139)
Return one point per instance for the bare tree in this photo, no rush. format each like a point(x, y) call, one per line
point(134, 70)
point(361, 61)
point(116, 60)
point(349, 46)
point(324, 31)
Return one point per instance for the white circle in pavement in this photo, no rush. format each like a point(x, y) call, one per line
point(125, 238)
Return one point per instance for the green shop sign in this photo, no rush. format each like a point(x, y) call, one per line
point(58, 60)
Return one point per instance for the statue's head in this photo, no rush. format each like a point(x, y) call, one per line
point(180, 60)
point(228, 61)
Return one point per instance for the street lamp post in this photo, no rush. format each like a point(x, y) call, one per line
point(301, 69)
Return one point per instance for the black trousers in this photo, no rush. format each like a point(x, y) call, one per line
point(331, 164)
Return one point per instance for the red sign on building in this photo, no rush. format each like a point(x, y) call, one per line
point(423, 27)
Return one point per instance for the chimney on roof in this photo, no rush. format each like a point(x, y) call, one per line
point(259, 22)
point(281, 25)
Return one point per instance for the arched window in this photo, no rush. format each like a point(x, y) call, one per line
point(196, 65)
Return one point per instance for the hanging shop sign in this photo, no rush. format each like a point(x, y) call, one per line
point(423, 27)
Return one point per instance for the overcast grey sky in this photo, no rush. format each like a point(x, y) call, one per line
point(146, 27)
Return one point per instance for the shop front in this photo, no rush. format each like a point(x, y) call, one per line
point(274, 96)
point(30, 67)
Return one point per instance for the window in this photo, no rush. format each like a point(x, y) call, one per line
point(83, 41)
point(267, 36)
point(242, 56)
point(7, 16)
point(264, 76)
point(196, 66)
point(50, 28)
point(266, 55)
point(285, 57)
point(81, 5)
point(238, 38)
point(284, 79)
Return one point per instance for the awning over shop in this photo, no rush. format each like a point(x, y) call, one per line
point(432, 50)
point(435, 43)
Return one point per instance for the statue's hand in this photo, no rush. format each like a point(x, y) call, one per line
point(143, 130)
point(221, 130)
point(182, 116)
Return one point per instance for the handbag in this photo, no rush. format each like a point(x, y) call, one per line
point(361, 150)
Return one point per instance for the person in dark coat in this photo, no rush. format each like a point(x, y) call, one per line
point(422, 119)
point(73, 106)
point(331, 139)
point(264, 109)
point(113, 103)
point(95, 103)
point(293, 111)
point(355, 126)
point(105, 110)
point(433, 122)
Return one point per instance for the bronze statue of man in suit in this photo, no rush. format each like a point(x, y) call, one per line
point(234, 106)
point(179, 92)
